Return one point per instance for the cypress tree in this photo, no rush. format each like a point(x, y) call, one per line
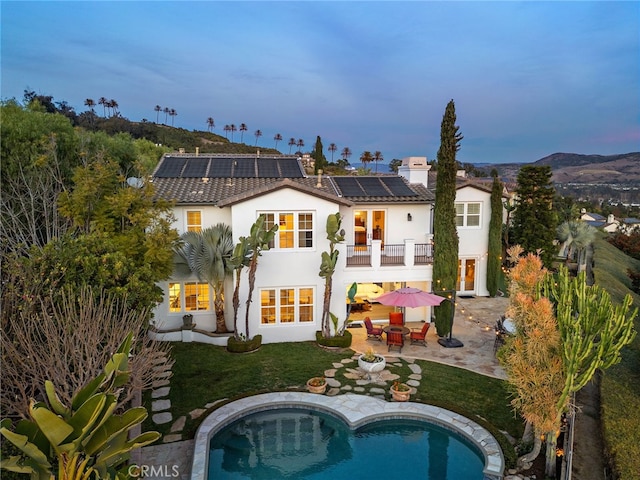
point(445, 233)
point(535, 220)
point(319, 159)
point(495, 235)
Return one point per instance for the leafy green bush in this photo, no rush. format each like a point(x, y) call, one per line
point(243, 346)
point(339, 341)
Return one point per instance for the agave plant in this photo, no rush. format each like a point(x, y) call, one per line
point(85, 439)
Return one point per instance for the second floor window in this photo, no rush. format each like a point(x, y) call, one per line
point(194, 221)
point(295, 229)
point(468, 215)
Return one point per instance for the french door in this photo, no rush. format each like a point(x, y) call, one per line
point(466, 282)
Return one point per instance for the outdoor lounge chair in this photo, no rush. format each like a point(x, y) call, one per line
point(372, 332)
point(395, 339)
point(396, 318)
point(418, 335)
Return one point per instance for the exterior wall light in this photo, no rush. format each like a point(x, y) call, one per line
point(409, 217)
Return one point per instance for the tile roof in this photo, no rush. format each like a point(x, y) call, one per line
point(173, 184)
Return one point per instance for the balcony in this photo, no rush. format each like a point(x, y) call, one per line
point(389, 255)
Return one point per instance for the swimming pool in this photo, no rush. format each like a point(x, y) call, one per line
point(296, 443)
point(358, 412)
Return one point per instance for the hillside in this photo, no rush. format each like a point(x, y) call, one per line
point(575, 168)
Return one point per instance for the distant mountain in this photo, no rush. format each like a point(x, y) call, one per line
point(577, 168)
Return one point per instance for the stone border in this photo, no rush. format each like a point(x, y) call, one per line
point(355, 410)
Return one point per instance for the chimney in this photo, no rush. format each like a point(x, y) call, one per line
point(319, 184)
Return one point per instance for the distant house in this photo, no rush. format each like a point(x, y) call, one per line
point(609, 224)
point(388, 228)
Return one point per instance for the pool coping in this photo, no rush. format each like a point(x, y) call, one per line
point(355, 410)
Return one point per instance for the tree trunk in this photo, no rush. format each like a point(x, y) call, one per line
point(236, 302)
point(533, 454)
point(550, 456)
point(221, 326)
point(326, 331)
point(252, 281)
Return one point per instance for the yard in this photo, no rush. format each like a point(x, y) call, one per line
point(204, 374)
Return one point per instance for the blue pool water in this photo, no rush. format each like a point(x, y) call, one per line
point(303, 444)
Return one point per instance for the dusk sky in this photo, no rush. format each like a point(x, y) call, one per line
point(528, 78)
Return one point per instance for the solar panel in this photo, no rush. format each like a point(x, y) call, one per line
point(398, 187)
point(196, 167)
point(171, 167)
point(290, 168)
point(244, 168)
point(373, 186)
point(268, 168)
point(220, 168)
point(349, 187)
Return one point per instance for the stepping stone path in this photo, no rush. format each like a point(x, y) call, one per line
point(375, 385)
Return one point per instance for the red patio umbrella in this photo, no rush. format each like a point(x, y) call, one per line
point(410, 297)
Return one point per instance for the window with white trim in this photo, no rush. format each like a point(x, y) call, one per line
point(194, 221)
point(286, 305)
point(468, 214)
point(189, 297)
point(295, 229)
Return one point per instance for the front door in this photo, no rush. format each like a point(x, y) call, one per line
point(466, 282)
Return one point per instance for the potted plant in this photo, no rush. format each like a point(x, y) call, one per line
point(371, 362)
point(317, 385)
point(187, 321)
point(400, 392)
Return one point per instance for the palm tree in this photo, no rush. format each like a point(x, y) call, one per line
point(103, 101)
point(114, 106)
point(292, 142)
point(575, 236)
point(377, 157)
point(258, 134)
point(332, 148)
point(233, 128)
point(172, 113)
point(277, 137)
point(210, 123)
point(226, 129)
point(366, 158)
point(300, 144)
point(208, 254)
point(241, 258)
point(166, 112)
point(346, 153)
point(258, 240)
point(90, 103)
point(242, 128)
point(157, 109)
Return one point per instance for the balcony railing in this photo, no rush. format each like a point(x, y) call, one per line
point(389, 255)
point(423, 254)
point(359, 255)
point(392, 255)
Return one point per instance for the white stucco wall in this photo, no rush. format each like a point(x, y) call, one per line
point(474, 241)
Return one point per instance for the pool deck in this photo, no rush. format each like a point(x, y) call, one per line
point(473, 326)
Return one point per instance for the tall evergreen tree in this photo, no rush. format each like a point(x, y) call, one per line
point(495, 236)
point(318, 156)
point(535, 220)
point(445, 236)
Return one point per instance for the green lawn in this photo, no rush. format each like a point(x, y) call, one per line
point(621, 383)
point(206, 373)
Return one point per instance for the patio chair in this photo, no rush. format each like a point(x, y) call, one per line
point(501, 335)
point(372, 332)
point(395, 339)
point(396, 318)
point(418, 335)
